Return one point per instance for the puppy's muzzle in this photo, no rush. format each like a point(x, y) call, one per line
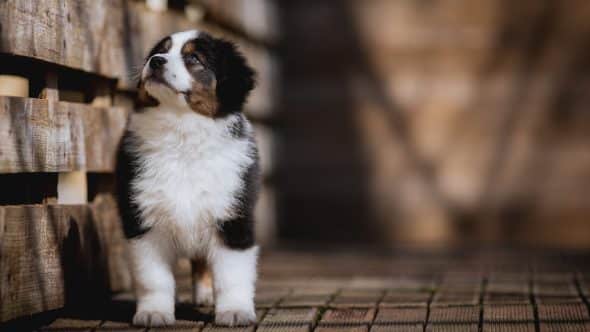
point(155, 73)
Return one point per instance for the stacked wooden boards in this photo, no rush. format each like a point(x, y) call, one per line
point(81, 59)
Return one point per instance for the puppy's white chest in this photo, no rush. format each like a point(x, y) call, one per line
point(190, 172)
point(191, 182)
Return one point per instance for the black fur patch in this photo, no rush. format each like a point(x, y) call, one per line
point(163, 46)
point(235, 79)
point(126, 171)
point(237, 128)
point(238, 232)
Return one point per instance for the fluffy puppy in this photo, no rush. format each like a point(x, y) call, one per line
point(188, 177)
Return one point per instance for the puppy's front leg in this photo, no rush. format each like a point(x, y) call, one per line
point(202, 283)
point(154, 281)
point(234, 278)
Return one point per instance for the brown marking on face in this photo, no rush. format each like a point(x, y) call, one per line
point(202, 97)
point(188, 47)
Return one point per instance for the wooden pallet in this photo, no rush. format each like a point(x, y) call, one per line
point(70, 69)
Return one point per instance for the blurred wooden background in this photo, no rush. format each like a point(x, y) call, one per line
point(435, 122)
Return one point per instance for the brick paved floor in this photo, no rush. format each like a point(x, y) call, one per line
point(472, 290)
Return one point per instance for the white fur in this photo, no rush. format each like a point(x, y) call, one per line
point(176, 73)
point(189, 173)
point(203, 294)
point(154, 281)
point(234, 276)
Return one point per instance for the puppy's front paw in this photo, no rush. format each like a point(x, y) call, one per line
point(235, 317)
point(204, 296)
point(153, 318)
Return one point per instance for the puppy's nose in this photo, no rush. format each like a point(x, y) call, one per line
point(156, 62)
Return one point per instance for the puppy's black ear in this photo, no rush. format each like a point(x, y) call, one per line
point(235, 79)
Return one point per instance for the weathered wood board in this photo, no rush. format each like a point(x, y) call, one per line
point(30, 265)
point(257, 19)
point(104, 211)
point(103, 129)
point(267, 141)
point(50, 254)
point(84, 34)
point(37, 135)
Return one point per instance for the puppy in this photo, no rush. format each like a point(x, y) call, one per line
point(188, 179)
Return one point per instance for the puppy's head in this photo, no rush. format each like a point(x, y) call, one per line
point(194, 71)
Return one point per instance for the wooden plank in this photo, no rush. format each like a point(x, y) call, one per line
point(32, 279)
point(265, 214)
point(86, 35)
point(51, 90)
point(39, 136)
point(103, 129)
point(104, 212)
point(256, 19)
point(12, 85)
point(53, 254)
point(157, 5)
point(263, 101)
point(267, 141)
point(72, 188)
point(48, 136)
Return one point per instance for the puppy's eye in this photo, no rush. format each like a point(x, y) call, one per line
point(193, 58)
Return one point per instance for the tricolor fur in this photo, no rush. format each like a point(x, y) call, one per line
point(188, 178)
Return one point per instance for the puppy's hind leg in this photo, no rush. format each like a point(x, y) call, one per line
point(154, 281)
point(202, 283)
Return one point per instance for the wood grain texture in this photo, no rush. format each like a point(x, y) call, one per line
point(53, 254)
point(103, 129)
point(257, 19)
point(32, 280)
point(84, 34)
point(110, 234)
point(37, 135)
